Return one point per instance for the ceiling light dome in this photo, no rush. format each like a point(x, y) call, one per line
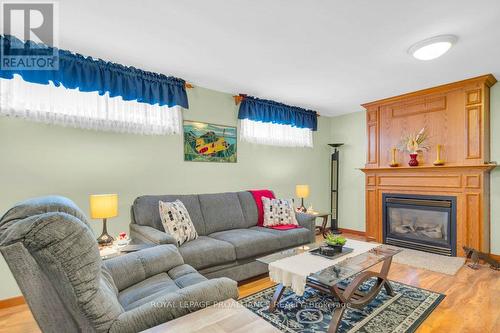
point(432, 48)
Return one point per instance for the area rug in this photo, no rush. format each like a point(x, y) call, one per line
point(311, 313)
point(430, 261)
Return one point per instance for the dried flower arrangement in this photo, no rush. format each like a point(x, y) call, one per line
point(415, 142)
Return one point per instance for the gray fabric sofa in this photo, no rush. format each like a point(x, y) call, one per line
point(54, 257)
point(229, 239)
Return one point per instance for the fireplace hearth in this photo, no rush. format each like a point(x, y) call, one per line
point(420, 222)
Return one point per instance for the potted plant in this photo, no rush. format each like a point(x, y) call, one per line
point(335, 241)
point(414, 143)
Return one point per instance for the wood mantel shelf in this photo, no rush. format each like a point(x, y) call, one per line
point(457, 117)
point(485, 167)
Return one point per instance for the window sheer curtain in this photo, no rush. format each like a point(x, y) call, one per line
point(69, 107)
point(275, 134)
point(271, 123)
point(90, 93)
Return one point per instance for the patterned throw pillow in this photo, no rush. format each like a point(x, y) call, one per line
point(176, 221)
point(278, 212)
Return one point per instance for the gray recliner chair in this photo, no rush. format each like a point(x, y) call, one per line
point(53, 255)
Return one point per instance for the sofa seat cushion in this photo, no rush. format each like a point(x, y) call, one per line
point(207, 251)
point(147, 290)
point(288, 238)
point(249, 243)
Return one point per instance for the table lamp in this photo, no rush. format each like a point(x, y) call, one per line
point(302, 191)
point(104, 206)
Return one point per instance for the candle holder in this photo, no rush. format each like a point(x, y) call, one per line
point(394, 163)
point(438, 160)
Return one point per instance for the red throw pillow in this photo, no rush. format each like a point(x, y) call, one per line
point(285, 227)
point(257, 196)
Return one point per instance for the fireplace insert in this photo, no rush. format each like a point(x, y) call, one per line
point(420, 222)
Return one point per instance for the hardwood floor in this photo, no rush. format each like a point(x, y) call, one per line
point(472, 302)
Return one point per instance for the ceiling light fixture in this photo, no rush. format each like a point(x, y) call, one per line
point(432, 48)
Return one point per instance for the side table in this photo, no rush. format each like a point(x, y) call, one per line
point(323, 228)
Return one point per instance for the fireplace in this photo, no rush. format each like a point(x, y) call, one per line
point(420, 222)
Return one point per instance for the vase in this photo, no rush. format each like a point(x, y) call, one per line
point(413, 160)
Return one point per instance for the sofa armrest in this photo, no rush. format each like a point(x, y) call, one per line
point(134, 267)
point(175, 304)
point(146, 234)
point(307, 221)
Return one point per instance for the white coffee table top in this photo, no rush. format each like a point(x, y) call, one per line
point(293, 271)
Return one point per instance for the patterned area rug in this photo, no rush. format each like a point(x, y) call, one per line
point(311, 313)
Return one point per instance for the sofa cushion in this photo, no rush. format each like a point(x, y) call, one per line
point(249, 243)
point(278, 212)
point(221, 211)
point(177, 222)
point(288, 238)
point(206, 251)
point(145, 210)
point(147, 290)
point(249, 209)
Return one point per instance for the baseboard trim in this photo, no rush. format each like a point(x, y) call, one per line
point(354, 232)
point(10, 302)
point(495, 256)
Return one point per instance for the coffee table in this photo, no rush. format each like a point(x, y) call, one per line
point(325, 275)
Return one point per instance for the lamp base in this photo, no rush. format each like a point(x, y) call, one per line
point(302, 208)
point(105, 238)
point(335, 227)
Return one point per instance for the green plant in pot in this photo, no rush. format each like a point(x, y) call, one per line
point(335, 241)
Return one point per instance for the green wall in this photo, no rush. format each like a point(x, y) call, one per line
point(38, 159)
point(350, 129)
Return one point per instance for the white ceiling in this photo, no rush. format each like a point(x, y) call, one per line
point(327, 55)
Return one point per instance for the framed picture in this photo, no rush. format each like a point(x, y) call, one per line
point(205, 142)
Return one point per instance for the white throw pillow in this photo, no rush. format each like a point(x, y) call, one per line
point(177, 222)
point(278, 212)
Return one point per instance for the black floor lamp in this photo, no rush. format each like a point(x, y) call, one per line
point(334, 196)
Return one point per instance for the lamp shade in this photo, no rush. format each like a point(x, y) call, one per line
point(103, 206)
point(302, 191)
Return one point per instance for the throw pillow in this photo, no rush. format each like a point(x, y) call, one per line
point(278, 212)
point(177, 222)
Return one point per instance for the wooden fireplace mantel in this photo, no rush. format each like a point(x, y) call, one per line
point(456, 116)
point(485, 167)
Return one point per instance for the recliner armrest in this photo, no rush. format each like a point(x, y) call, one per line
point(146, 234)
point(134, 267)
point(307, 221)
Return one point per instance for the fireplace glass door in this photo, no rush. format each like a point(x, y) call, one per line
point(421, 223)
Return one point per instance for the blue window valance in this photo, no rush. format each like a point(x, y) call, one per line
point(88, 74)
point(273, 112)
